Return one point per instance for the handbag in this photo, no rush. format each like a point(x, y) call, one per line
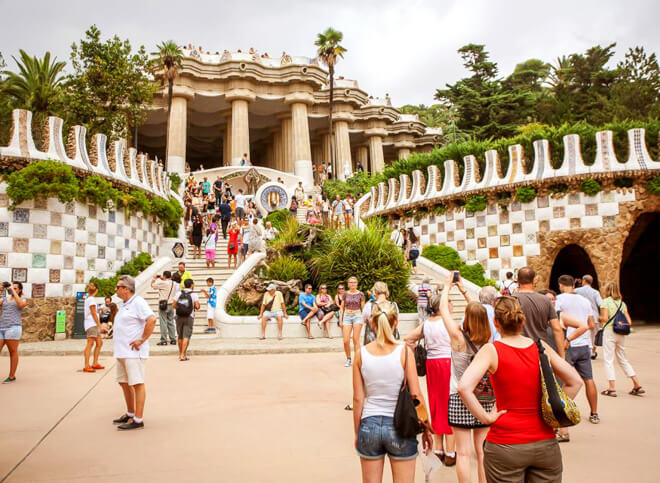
point(484, 389)
point(598, 340)
point(232, 247)
point(410, 414)
point(162, 304)
point(557, 409)
point(420, 357)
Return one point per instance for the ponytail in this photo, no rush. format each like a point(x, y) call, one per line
point(384, 330)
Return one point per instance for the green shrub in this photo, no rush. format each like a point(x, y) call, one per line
point(41, 180)
point(525, 194)
point(140, 202)
point(175, 181)
point(286, 268)
point(169, 212)
point(289, 238)
point(438, 209)
point(278, 218)
point(236, 306)
point(590, 187)
point(98, 191)
point(367, 254)
point(653, 186)
point(623, 182)
point(476, 203)
point(474, 273)
point(108, 286)
point(443, 255)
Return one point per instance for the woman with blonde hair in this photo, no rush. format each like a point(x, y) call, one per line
point(378, 373)
point(613, 343)
point(465, 343)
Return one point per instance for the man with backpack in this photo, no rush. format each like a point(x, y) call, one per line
point(509, 286)
point(185, 306)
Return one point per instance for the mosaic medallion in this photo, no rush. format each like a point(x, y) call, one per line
point(54, 275)
point(21, 245)
point(4, 228)
point(38, 260)
point(68, 262)
point(112, 216)
point(19, 275)
point(69, 234)
point(21, 215)
point(38, 290)
point(81, 223)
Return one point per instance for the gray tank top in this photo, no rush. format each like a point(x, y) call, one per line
point(11, 314)
point(459, 362)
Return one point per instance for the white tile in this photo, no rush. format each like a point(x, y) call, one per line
point(559, 224)
point(519, 262)
point(544, 213)
point(5, 274)
point(493, 241)
point(504, 229)
point(38, 275)
point(471, 244)
point(19, 260)
point(54, 290)
point(54, 261)
point(39, 216)
point(516, 216)
point(20, 230)
point(506, 252)
point(39, 245)
point(608, 209)
point(574, 211)
point(55, 205)
point(530, 226)
point(80, 263)
point(68, 276)
point(482, 253)
point(6, 244)
point(533, 250)
point(494, 264)
point(592, 221)
point(55, 232)
point(517, 239)
point(69, 221)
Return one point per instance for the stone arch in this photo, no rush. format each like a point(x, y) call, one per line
point(572, 260)
point(640, 265)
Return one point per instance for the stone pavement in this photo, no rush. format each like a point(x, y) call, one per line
point(263, 418)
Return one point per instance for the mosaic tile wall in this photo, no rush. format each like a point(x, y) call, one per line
point(501, 240)
point(55, 248)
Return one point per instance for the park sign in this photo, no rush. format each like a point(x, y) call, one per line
point(178, 250)
point(60, 322)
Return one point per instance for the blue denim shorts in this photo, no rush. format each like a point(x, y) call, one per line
point(352, 319)
point(11, 333)
point(377, 437)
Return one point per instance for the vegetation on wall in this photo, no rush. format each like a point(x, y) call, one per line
point(278, 219)
point(175, 181)
point(449, 258)
point(108, 286)
point(653, 186)
point(558, 189)
point(525, 194)
point(286, 268)
point(590, 187)
point(475, 203)
point(46, 179)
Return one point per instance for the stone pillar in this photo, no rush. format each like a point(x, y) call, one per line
point(403, 153)
point(177, 133)
point(343, 150)
point(240, 131)
point(376, 154)
point(301, 152)
point(287, 145)
point(362, 157)
point(325, 147)
point(277, 149)
point(227, 146)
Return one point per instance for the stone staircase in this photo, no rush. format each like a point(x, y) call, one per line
point(199, 271)
point(457, 300)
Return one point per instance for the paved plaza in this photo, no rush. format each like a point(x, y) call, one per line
point(262, 418)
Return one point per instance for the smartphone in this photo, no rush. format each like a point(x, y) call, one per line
point(456, 277)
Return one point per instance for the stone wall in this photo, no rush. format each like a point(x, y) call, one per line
point(39, 317)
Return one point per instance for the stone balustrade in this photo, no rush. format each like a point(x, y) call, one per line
point(120, 164)
point(444, 185)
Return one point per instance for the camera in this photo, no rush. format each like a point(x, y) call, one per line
point(6, 284)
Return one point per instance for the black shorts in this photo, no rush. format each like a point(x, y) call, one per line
point(580, 358)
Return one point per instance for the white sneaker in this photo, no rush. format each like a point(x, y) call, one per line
point(348, 362)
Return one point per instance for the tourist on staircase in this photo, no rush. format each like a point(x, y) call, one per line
point(412, 249)
point(240, 204)
point(348, 210)
point(210, 241)
point(245, 240)
point(234, 243)
point(196, 235)
point(185, 306)
point(299, 192)
point(256, 237)
point(225, 216)
point(166, 295)
point(183, 274)
point(337, 212)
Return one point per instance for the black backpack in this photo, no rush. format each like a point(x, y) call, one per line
point(184, 304)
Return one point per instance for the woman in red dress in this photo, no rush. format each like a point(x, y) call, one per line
point(234, 243)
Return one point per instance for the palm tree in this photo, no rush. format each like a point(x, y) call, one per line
point(169, 58)
point(36, 85)
point(329, 52)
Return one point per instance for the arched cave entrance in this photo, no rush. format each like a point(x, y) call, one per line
point(572, 260)
point(640, 265)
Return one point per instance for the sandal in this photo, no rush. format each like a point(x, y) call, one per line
point(262, 338)
point(348, 407)
point(637, 391)
point(609, 392)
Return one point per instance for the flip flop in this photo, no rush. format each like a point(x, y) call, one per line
point(609, 392)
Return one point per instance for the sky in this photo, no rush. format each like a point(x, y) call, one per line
point(404, 48)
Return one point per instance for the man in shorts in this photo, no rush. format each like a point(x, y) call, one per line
point(185, 306)
point(272, 307)
point(134, 323)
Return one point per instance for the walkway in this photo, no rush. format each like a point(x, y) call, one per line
point(265, 418)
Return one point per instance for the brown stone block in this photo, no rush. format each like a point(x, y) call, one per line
point(517, 250)
point(493, 252)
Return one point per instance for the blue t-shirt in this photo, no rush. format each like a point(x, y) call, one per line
point(308, 299)
point(212, 296)
point(206, 187)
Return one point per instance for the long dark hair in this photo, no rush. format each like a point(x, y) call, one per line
point(411, 235)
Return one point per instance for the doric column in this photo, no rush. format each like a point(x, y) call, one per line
point(343, 150)
point(302, 153)
point(227, 146)
point(362, 157)
point(376, 154)
point(177, 130)
point(240, 131)
point(287, 145)
point(325, 147)
point(277, 147)
point(403, 153)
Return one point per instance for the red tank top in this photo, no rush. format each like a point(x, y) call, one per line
point(517, 386)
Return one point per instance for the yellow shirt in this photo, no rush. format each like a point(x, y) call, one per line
point(277, 302)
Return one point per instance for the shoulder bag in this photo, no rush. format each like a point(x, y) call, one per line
point(420, 355)
point(557, 409)
point(598, 340)
point(162, 304)
point(484, 389)
point(620, 324)
point(410, 414)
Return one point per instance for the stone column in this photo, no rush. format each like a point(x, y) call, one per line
point(287, 145)
point(177, 133)
point(376, 154)
point(277, 149)
point(240, 131)
point(325, 147)
point(403, 153)
point(301, 152)
point(227, 146)
point(362, 157)
point(343, 150)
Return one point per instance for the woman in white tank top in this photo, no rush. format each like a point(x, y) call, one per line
point(378, 373)
point(438, 376)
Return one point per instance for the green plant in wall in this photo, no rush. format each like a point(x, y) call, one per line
point(653, 186)
point(236, 306)
point(438, 209)
point(503, 200)
point(108, 286)
point(286, 268)
point(175, 181)
point(476, 203)
point(278, 219)
point(98, 191)
point(525, 194)
point(41, 180)
point(590, 187)
point(443, 255)
point(558, 190)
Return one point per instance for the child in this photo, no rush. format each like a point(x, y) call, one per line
point(210, 307)
point(209, 248)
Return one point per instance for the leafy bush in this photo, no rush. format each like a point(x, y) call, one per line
point(98, 191)
point(443, 255)
point(653, 186)
point(236, 306)
point(175, 181)
point(525, 194)
point(290, 237)
point(476, 203)
point(360, 183)
point(169, 212)
point(40, 180)
point(590, 187)
point(474, 273)
point(438, 209)
point(108, 286)
point(286, 268)
point(278, 218)
point(367, 254)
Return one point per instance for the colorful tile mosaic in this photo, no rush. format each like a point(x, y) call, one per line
point(39, 231)
point(38, 260)
point(21, 215)
point(54, 275)
point(19, 275)
point(21, 245)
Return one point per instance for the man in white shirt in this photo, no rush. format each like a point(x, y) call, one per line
point(509, 286)
point(579, 340)
point(270, 233)
point(133, 325)
point(240, 205)
point(185, 305)
point(594, 298)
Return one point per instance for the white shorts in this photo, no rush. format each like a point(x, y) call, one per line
point(131, 371)
point(210, 312)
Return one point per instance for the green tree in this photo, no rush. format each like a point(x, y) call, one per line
point(636, 92)
point(109, 80)
point(168, 59)
point(329, 51)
